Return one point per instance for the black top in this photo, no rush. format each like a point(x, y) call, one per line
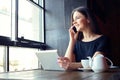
point(84, 49)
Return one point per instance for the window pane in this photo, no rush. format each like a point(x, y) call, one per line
point(30, 23)
point(5, 18)
point(39, 2)
point(22, 59)
point(2, 57)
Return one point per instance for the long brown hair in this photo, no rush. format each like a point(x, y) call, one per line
point(89, 15)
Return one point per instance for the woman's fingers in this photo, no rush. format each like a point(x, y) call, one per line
point(71, 30)
point(63, 59)
point(63, 62)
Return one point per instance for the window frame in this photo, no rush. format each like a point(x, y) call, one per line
point(4, 40)
point(27, 42)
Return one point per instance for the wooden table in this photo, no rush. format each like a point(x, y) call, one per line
point(112, 74)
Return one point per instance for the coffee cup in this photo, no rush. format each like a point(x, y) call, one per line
point(85, 63)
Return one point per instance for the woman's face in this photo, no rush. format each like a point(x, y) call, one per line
point(79, 21)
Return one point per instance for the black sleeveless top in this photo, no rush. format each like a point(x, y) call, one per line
point(84, 49)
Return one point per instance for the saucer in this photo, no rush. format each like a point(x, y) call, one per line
point(113, 67)
point(85, 69)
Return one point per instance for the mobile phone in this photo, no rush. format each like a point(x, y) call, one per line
point(74, 29)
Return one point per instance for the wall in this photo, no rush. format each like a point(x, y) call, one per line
point(108, 13)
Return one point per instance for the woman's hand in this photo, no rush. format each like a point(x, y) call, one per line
point(64, 62)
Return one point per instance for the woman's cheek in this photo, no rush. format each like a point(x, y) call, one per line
point(79, 28)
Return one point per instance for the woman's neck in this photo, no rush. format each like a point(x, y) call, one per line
point(88, 35)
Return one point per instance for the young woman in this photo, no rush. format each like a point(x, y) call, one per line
point(87, 41)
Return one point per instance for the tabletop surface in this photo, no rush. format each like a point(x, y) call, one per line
point(111, 74)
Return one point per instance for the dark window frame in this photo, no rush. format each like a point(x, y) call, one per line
point(21, 42)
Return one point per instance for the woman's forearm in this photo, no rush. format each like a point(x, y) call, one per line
point(70, 48)
point(74, 65)
point(69, 51)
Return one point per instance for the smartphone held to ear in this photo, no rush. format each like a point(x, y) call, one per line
point(74, 29)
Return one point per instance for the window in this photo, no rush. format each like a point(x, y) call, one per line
point(20, 19)
point(2, 58)
point(5, 18)
point(22, 58)
point(30, 21)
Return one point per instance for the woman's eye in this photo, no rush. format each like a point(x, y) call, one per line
point(77, 18)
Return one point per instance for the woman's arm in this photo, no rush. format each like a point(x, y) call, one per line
point(68, 61)
point(70, 55)
point(69, 52)
point(65, 63)
point(74, 65)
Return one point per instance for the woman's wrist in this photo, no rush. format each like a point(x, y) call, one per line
point(72, 41)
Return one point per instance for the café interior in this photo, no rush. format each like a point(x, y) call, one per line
point(31, 26)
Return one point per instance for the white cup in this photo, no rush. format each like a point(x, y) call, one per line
point(85, 63)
